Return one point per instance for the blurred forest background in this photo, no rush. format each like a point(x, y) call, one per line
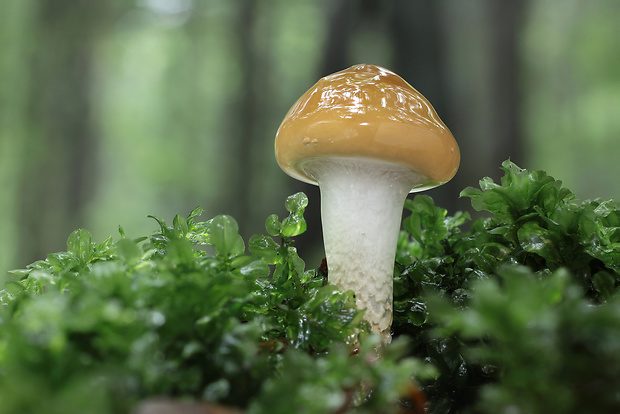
point(113, 110)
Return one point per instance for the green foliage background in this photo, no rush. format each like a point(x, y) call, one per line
point(113, 110)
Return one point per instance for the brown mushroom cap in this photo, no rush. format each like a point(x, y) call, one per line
point(367, 111)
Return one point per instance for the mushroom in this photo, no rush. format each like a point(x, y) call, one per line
point(367, 138)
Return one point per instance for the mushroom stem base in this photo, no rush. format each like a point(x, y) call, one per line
point(361, 209)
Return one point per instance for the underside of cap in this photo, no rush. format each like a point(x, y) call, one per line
point(368, 112)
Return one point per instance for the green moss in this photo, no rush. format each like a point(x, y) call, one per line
point(518, 311)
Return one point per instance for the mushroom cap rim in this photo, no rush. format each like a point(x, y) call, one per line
point(300, 170)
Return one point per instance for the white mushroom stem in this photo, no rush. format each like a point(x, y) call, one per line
point(361, 209)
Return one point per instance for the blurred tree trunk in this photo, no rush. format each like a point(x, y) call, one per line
point(340, 29)
point(57, 172)
point(243, 127)
point(16, 39)
point(506, 20)
point(482, 83)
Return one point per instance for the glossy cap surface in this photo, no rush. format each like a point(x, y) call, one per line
point(369, 112)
